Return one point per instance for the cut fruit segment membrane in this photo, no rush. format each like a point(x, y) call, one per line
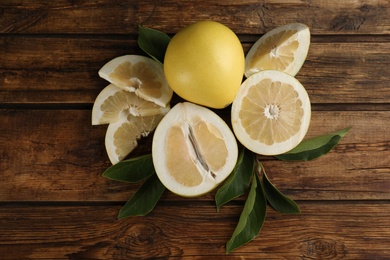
point(113, 101)
point(122, 135)
point(271, 113)
point(193, 150)
point(139, 74)
point(284, 48)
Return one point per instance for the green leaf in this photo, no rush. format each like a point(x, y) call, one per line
point(144, 199)
point(314, 147)
point(239, 180)
point(251, 219)
point(153, 42)
point(132, 170)
point(276, 199)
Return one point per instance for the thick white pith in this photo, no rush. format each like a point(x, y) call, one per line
point(191, 123)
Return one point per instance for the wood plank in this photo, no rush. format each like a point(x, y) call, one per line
point(190, 230)
point(64, 70)
point(56, 155)
point(244, 16)
point(54, 203)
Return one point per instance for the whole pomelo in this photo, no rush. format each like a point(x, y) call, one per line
point(204, 63)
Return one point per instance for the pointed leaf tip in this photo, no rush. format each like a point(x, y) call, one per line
point(144, 199)
point(277, 199)
point(252, 217)
point(314, 147)
point(132, 170)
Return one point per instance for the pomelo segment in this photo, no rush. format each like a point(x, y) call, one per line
point(122, 135)
point(193, 150)
point(113, 101)
point(139, 74)
point(271, 113)
point(284, 48)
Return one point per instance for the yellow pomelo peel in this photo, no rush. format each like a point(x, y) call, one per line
point(204, 64)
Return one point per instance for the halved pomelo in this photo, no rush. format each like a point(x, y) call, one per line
point(193, 150)
point(271, 112)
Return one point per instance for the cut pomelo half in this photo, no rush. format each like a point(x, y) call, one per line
point(139, 74)
point(271, 113)
point(193, 150)
point(284, 48)
point(113, 101)
point(122, 135)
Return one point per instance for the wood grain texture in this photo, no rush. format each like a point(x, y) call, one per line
point(244, 16)
point(355, 72)
point(193, 230)
point(56, 155)
point(54, 202)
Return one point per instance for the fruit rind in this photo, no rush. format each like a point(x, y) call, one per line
point(120, 102)
point(303, 36)
point(126, 132)
point(97, 113)
point(254, 145)
point(154, 67)
point(183, 113)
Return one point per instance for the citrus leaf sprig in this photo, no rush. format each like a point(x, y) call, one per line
point(249, 173)
point(307, 150)
point(252, 217)
point(262, 191)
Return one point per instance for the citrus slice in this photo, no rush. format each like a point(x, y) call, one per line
point(112, 101)
point(193, 150)
point(122, 135)
point(284, 48)
point(139, 74)
point(271, 113)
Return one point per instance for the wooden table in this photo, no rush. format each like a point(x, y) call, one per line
point(55, 204)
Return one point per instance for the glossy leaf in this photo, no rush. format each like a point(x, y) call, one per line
point(314, 147)
point(132, 170)
point(239, 180)
point(276, 199)
point(153, 42)
point(144, 199)
point(251, 219)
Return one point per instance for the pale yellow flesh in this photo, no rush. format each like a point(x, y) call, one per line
point(112, 107)
point(126, 102)
point(125, 137)
point(139, 76)
point(276, 52)
point(211, 144)
point(181, 160)
point(269, 116)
